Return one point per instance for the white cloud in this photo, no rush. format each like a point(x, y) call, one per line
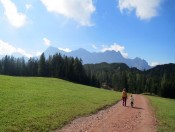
point(78, 10)
point(28, 6)
point(8, 49)
point(38, 53)
point(65, 49)
point(21, 51)
point(94, 46)
point(15, 18)
point(47, 42)
point(154, 63)
point(115, 47)
point(145, 9)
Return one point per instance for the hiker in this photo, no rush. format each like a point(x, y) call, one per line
point(132, 100)
point(124, 96)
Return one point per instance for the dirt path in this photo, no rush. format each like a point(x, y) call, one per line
point(117, 119)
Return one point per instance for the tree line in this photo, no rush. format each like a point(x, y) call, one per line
point(159, 80)
point(57, 66)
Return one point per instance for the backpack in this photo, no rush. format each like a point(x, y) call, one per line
point(124, 94)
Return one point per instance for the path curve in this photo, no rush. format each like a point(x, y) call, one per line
point(117, 119)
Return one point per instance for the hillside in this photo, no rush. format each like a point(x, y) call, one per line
point(158, 80)
point(44, 104)
point(161, 80)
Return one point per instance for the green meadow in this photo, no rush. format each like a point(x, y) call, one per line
point(165, 112)
point(45, 104)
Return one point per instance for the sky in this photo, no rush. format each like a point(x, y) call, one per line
point(136, 28)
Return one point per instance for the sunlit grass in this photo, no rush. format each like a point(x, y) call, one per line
point(165, 113)
point(44, 104)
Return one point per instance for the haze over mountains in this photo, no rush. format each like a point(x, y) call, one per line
point(98, 57)
point(94, 57)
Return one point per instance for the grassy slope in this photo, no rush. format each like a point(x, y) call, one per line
point(43, 104)
point(165, 113)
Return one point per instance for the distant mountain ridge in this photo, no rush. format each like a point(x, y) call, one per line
point(98, 57)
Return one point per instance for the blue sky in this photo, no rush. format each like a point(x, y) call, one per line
point(136, 28)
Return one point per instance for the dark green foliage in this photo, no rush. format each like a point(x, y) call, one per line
point(32, 67)
point(159, 80)
point(113, 76)
point(56, 66)
point(162, 80)
point(12, 66)
point(42, 66)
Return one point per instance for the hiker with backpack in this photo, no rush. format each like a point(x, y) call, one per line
point(124, 96)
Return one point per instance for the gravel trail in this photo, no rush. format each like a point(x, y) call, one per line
point(117, 118)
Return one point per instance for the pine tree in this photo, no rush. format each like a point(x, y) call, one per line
point(42, 66)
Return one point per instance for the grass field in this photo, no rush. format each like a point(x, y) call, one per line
point(165, 113)
point(44, 104)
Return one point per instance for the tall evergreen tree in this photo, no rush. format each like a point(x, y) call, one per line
point(42, 66)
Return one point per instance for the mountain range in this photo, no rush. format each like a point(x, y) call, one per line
point(98, 57)
point(94, 57)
